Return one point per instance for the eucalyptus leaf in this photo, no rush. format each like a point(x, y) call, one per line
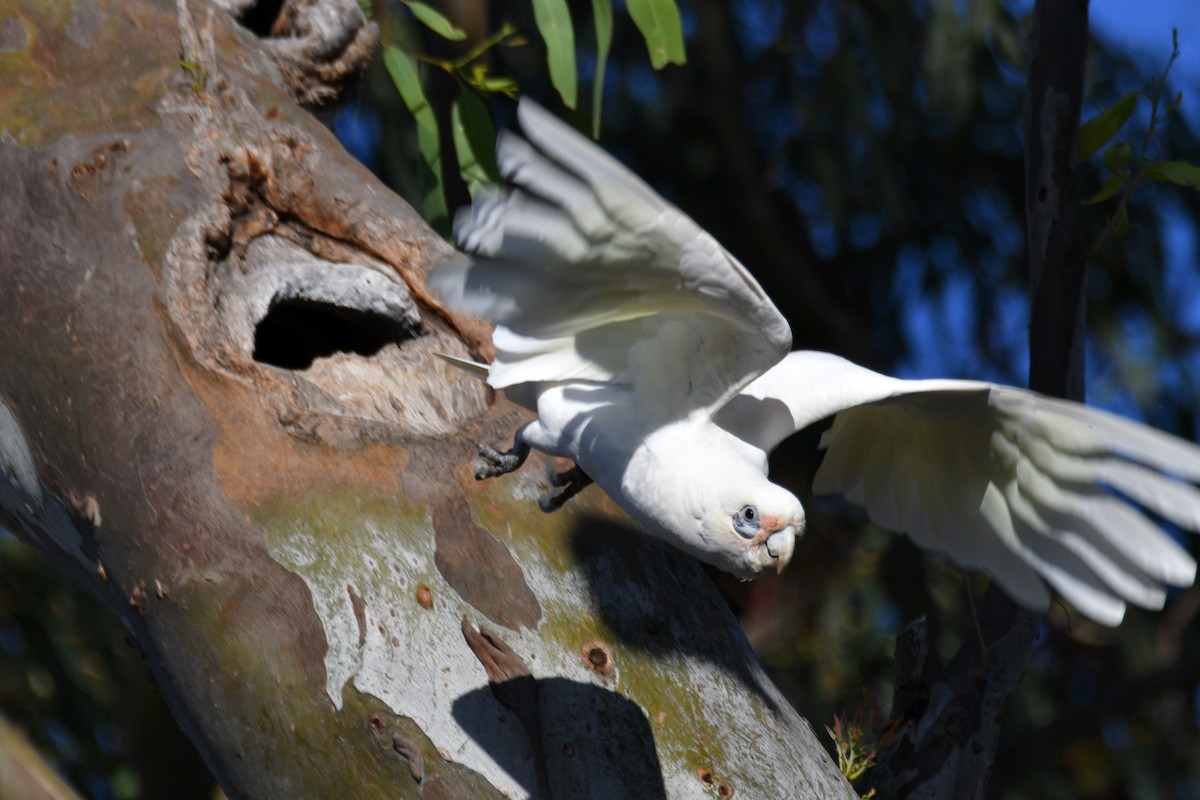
point(403, 70)
point(553, 20)
point(437, 22)
point(662, 28)
point(1102, 127)
point(1180, 173)
point(1118, 156)
point(1111, 186)
point(474, 141)
point(602, 11)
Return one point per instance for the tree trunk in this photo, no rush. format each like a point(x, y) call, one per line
point(222, 412)
point(948, 728)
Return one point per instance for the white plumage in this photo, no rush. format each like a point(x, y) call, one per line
point(658, 364)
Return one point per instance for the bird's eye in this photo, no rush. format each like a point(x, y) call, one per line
point(745, 522)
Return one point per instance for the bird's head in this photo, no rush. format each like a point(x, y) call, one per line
point(747, 532)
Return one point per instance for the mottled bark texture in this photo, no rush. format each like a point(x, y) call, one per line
point(948, 727)
point(222, 412)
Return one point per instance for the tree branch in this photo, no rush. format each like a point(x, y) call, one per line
point(1053, 202)
point(946, 744)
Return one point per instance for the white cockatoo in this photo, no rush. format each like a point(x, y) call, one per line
point(659, 366)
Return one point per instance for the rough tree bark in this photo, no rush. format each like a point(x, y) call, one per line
point(948, 727)
point(330, 603)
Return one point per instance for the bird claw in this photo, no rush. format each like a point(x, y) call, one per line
point(572, 482)
point(495, 463)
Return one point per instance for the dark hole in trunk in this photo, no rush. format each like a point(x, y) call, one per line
point(296, 332)
point(261, 17)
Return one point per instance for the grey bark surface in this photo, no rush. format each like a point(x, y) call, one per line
point(330, 603)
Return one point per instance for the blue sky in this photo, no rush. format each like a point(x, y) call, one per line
point(1143, 27)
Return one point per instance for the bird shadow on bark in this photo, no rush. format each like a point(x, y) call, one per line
point(603, 744)
point(645, 591)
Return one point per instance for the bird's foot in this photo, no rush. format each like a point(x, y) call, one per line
point(495, 463)
point(572, 482)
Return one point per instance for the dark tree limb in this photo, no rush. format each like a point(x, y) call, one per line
point(948, 730)
point(1053, 203)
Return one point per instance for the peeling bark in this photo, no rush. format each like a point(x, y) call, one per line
point(221, 412)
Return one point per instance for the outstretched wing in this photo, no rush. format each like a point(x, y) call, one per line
point(590, 275)
point(1000, 479)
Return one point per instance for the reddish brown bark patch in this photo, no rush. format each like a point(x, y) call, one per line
point(360, 614)
point(480, 568)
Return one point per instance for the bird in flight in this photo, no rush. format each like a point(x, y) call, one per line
point(658, 365)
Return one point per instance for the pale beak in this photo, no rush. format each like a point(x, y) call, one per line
point(780, 546)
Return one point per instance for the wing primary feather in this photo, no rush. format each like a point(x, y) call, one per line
point(1075, 428)
point(1063, 570)
point(1088, 508)
point(1094, 550)
point(879, 476)
point(1070, 577)
point(1169, 498)
point(1019, 575)
point(908, 504)
point(1059, 490)
point(567, 147)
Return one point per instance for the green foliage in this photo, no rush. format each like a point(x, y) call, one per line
point(472, 129)
point(1128, 165)
point(474, 141)
point(1180, 173)
point(472, 71)
point(602, 13)
point(659, 22)
point(554, 23)
point(1099, 129)
point(403, 69)
point(435, 21)
point(857, 739)
point(471, 126)
point(1117, 156)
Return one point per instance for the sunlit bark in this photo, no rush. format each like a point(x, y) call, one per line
point(222, 412)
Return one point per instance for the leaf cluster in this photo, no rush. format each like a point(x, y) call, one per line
point(1130, 165)
point(473, 132)
point(857, 739)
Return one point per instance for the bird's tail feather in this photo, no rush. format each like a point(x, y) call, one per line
point(466, 365)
